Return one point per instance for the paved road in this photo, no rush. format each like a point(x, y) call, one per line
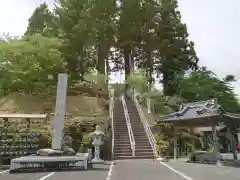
point(99, 172)
point(143, 170)
point(206, 172)
point(21, 176)
point(138, 170)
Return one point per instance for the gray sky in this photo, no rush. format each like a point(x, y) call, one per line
point(213, 25)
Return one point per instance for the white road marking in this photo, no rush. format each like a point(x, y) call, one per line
point(47, 176)
point(110, 171)
point(1, 172)
point(178, 172)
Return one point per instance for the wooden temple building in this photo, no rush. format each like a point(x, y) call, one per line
point(209, 118)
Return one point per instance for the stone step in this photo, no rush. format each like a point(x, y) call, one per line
point(129, 150)
point(144, 153)
point(120, 126)
point(143, 147)
point(139, 133)
point(121, 142)
point(141, 138)
point(148, 150)
point(122, 147)
point(126, 153)
point(119, 139)
point(121, 131)
point(119, 117)
point(142, 143)
point(131, 157)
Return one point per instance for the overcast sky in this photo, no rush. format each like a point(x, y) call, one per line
point(214, 26)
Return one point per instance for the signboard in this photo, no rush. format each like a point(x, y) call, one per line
point(60, 110)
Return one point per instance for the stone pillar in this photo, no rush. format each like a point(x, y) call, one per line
point(149, 105)
point(238, 135)
point(60, 109)
point(175, 154)
point(216, 146)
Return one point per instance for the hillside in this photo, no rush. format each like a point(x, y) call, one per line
point(79, 107)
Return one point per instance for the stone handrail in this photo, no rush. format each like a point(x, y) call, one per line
point(130, 132)
point(111, 107)
point(147, 128)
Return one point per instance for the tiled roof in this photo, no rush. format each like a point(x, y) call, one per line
point(193, 110)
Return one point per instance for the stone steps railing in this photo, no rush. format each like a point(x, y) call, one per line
point(129, 126)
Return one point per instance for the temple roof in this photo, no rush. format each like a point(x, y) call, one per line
point(197, 110)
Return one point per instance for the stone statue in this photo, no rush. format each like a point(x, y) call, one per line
point(97, 142)
point(66, 150)
point(67, 145)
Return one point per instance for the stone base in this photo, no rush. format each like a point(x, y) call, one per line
point(206, 157)
point(97, 161)
point(46, 164)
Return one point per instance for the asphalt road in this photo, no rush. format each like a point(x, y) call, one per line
point(205, 171)
point(99, 172)
point(143, 170)
point(138, 170)
point(22, 176)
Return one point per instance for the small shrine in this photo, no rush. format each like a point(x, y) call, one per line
point(209, 118)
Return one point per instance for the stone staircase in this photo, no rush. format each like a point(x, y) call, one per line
point(143, 149)
point(122, 146)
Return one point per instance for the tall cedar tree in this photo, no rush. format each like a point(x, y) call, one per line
point(42, 22)
point(103, 14)
point(75, 29)
point(128, 30)
point(176, 52)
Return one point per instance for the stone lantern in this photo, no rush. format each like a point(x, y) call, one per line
point(97, 142)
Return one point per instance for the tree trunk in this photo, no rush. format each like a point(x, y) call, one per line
point(101, 62)
point(149, 69)
point(167, 79)
point(107, 72)
point(127, 66)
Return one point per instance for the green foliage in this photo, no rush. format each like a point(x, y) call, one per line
point(206, 85)
point(165, 139)
point(26, 64)
point(97, 81)
point(87, 141)
point(138, 81)
point(163, 145)
point(42, 21)
point(75, 26)
point(177, 53)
